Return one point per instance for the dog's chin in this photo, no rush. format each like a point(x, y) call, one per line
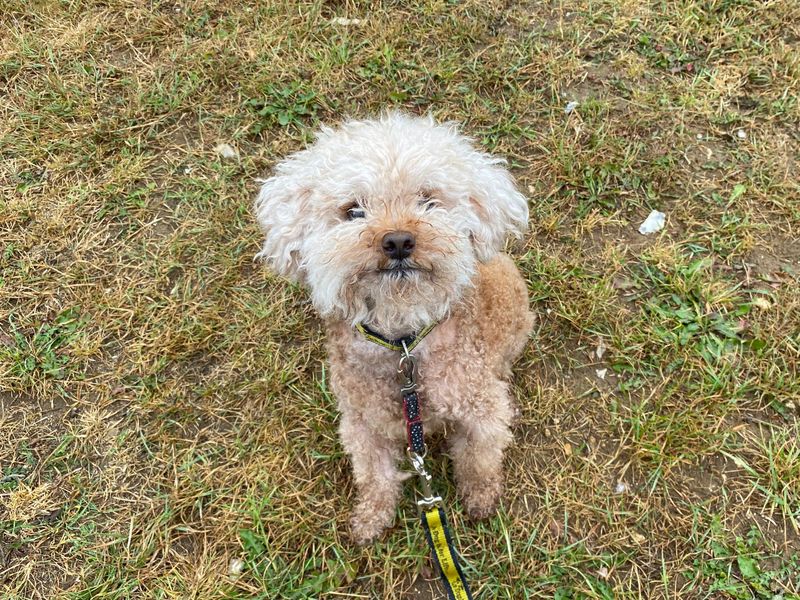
point(402, 273)
point(399, 274)
point(401, 298)
point(394, 297)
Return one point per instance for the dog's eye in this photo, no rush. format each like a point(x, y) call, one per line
point(355, 212)
point(426, 200)
point(428, 204)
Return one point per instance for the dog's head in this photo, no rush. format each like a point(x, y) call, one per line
point(385, 220)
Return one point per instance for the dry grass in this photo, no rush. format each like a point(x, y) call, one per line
point(163, 406)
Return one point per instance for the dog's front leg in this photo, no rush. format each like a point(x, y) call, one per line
point(477, 444)
point(375, 458)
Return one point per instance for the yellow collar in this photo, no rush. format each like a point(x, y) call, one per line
point(410, 341)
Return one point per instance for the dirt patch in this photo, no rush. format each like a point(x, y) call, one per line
point(422, 589)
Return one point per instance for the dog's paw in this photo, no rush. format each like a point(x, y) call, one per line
point(366, 526)
point(481, 502)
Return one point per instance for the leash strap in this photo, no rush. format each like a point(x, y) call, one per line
point(416, 438)
point(435, 524)
point(432, 515)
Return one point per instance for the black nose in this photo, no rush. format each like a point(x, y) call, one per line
point(398, 244)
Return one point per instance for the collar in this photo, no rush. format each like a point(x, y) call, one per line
point(410, 341)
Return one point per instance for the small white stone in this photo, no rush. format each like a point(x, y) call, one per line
point(226, 151)
point(601, 373)
point(571, 106)
point(602, 573)
point(345, 21)
point(762, 303)
point(620, 488)
point(601, 348)
point(741, 134)
point(699, 136)
point(654, 222)
point(236, 566)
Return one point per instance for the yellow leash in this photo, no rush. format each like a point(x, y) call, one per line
point(435, 524)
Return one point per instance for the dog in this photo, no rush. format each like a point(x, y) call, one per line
point(395, 224)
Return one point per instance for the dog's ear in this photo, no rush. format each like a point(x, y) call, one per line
point(281, 212)
point(500, 209)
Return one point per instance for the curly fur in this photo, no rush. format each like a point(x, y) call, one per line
point(411, 174)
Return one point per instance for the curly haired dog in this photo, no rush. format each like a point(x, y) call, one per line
point(398, 223)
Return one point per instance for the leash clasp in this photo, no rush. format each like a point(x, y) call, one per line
point(429, 499)
point(407, 368)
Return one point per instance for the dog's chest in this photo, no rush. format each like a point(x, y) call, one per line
point(375, 380)
point(441, 388)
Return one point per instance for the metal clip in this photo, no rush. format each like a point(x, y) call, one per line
point(418, 462)
point(407, 368)
point(428, 499)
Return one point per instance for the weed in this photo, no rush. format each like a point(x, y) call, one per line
point(292, 105)
point(40, 354)
point(740, 567)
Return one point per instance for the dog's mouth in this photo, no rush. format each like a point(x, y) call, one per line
point(399, 269)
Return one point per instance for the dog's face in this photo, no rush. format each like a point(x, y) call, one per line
point(386, 220)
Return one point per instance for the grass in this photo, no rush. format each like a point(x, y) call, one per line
point(166, 430)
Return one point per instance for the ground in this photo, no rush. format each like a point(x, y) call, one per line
point(166, 428)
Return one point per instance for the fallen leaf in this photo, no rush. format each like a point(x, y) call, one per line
point(556, 528)
point(638, 538)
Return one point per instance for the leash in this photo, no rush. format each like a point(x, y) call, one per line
point(431, 513)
